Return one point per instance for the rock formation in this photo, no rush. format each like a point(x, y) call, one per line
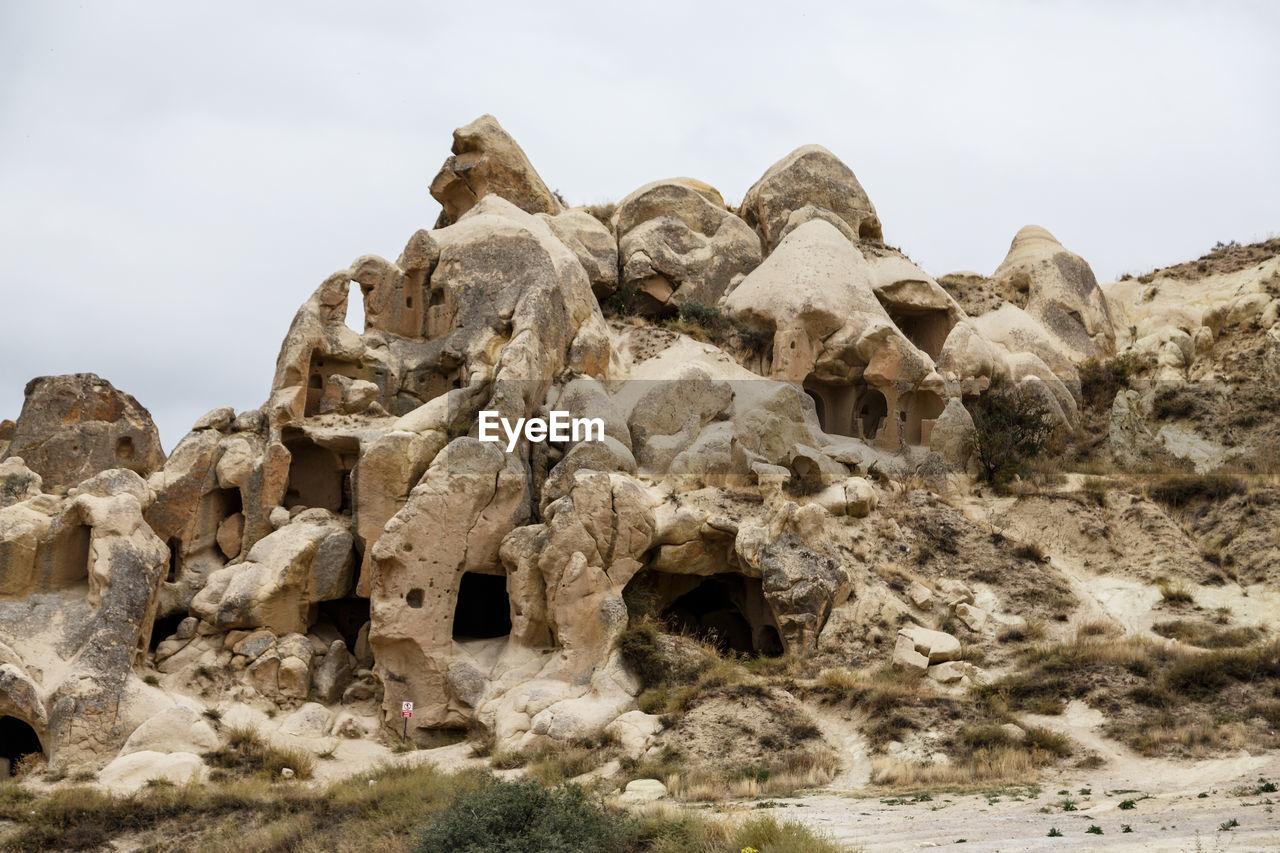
point(356, 541)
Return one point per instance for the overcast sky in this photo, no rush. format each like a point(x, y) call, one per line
point(177, 177)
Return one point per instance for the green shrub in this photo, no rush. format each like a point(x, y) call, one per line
point(639, 649)
point(707, 316)
point(523, 816)
point(1100, 381)
point(1010, 429)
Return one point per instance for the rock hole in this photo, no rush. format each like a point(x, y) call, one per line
point(175, 557)
point(17, 741)
point(163, 629)
point(355, 309)
point(927, 330)
point(414, 598)
point(348, 615)
point(317, 476)
point(725, 609)
point(69, 556)
point(483, 609)
point(124, 449)
point(872, 409)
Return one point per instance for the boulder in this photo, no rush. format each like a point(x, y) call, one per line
point(974, 618)
point(935, 646)
point(177, 729)
point(809, 184)
point(74, 426)
point(678, 244)
point(640, 792)
point(594, 245)
point(130, 773)
point(311, 720)
point(485, 161)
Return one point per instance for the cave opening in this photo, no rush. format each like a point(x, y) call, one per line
point(872, 410)
point(347, 615)
point(726, 609)
point(175, 556)
point(483, 610)
point(317, 477)
point(69, 556)
point(922, 409)
point(163, 628)
point(927, 329)
point(17, 741)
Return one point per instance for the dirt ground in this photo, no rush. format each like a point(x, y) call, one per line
point(1177, 806)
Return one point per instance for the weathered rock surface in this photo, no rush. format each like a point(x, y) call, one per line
point(71, 427)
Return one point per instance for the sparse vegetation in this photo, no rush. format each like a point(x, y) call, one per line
point(1179, 490)
point(1011, 427)
point(247, 753)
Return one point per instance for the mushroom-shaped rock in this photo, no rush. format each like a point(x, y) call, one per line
point(73, 426)
point(1057, 288)
point(486, 160)
point(677, 243)
point(809, 183)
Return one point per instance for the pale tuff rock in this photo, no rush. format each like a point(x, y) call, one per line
point(177, 729)
point(642, 791)
point(593, 243)
point(934, 646)
point(677, 243)
point(72, 427)
point(486, 160)
point(816, 293)
point(132, 772)
point(353, 542)
point(1057, 289)
point(809, 183)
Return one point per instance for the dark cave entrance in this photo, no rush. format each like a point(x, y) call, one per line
point(483, 610)
point(318, 476)
point(17, 740)
point(872, 410)
point(727, 609)
point(163, 628)
point(348, 616)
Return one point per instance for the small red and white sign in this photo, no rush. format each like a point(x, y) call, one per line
point(406, 709)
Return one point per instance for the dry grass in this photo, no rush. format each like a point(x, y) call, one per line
point(781, 777)
point(247, 753)
point(1176, 593)
point(1206, 635)
point(666, 828)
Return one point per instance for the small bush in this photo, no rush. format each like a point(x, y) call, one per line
point(1205, 635)
point(1179, 490)
point(1010, 429)
point(248, 754)
point(639, 649)
point(504, 817)
point(707, 316)
point(1100, 381)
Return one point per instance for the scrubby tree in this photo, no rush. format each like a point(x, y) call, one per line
point(1011, 427)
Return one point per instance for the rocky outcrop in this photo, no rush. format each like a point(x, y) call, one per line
point(487, 161)
point(1057, 289)
point(72, 427)
point(357, 542)
point(809, 183)
point(678, 244)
